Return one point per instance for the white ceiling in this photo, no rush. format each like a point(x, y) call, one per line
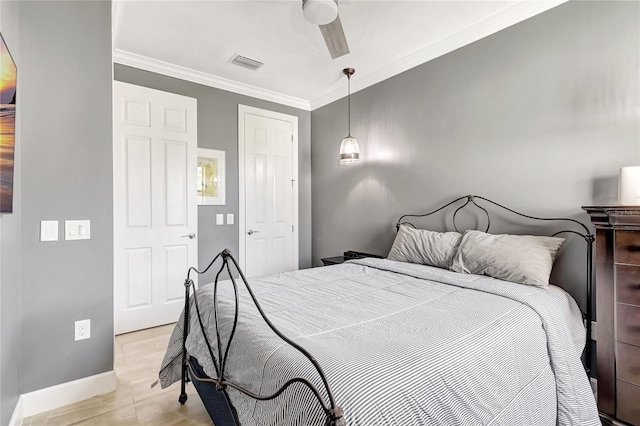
point(195, 40)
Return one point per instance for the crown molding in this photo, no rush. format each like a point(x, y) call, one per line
point(500, 20)
point(165, 68)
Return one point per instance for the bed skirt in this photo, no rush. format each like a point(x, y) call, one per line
point(216, 402)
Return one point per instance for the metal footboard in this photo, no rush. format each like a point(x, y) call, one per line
point(334, 414)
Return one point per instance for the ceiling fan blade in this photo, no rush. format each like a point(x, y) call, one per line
point(333, 35)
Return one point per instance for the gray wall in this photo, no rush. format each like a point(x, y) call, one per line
point(218, 129)
point(10, 259)
point(66, 170)
point(539, 116)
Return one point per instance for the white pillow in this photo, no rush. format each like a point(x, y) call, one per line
point(523, 259)
point(424, 247)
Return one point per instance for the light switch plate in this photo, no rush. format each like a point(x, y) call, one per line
point(219, 219)
point(77, 229)
point(229, 218)
point(49, 230)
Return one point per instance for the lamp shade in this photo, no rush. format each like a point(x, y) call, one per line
point(320, 12)
point(629, 186)
point(349, 151)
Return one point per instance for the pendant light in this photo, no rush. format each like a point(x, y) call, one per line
point(349, 150)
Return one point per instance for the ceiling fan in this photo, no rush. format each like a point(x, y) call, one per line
point(324, 13)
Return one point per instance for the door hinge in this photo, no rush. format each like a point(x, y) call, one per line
point(291, 138)
point(291, 228)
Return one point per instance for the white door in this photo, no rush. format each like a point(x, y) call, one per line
point(155, 211)
point(268, 170)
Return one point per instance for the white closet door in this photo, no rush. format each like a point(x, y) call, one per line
point(268, 190)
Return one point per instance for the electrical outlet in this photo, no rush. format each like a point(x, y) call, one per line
point(83, 329)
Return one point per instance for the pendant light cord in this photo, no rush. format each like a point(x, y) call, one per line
point(349, 102)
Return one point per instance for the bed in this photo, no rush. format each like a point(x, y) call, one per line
point(385, 342)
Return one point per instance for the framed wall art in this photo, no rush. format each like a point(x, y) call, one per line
point(8, 83)
point(210, 177)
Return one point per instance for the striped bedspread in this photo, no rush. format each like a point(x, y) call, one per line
point(401, 344)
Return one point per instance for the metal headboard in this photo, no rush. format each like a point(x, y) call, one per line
point(586, 235)
point(334, 414)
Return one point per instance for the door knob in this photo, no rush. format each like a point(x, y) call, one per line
point(191, 236)
point(251, 231)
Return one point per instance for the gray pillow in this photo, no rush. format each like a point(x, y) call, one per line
point(523, 259)
point(424, 247)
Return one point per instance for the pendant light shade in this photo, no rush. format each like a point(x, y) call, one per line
point(349, 149)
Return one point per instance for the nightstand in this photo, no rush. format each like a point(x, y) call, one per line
point(333, 260)
point(348, 255)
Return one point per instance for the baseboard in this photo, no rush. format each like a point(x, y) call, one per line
point(53, 397)
point(18, 413)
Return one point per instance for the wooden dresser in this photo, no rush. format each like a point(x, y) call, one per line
point(617, 268)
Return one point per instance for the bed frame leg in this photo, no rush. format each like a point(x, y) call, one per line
point(335, 417)
point(185, 331)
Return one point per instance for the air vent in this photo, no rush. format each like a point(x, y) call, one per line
point(245, 62)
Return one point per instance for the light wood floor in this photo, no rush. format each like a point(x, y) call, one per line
point(137, 361)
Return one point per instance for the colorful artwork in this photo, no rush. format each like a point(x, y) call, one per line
point(8, 77)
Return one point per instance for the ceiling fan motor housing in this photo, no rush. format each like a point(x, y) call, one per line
point(320, 12)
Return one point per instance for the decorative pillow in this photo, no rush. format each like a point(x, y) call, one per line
point(523, 259)
point(424, 247)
